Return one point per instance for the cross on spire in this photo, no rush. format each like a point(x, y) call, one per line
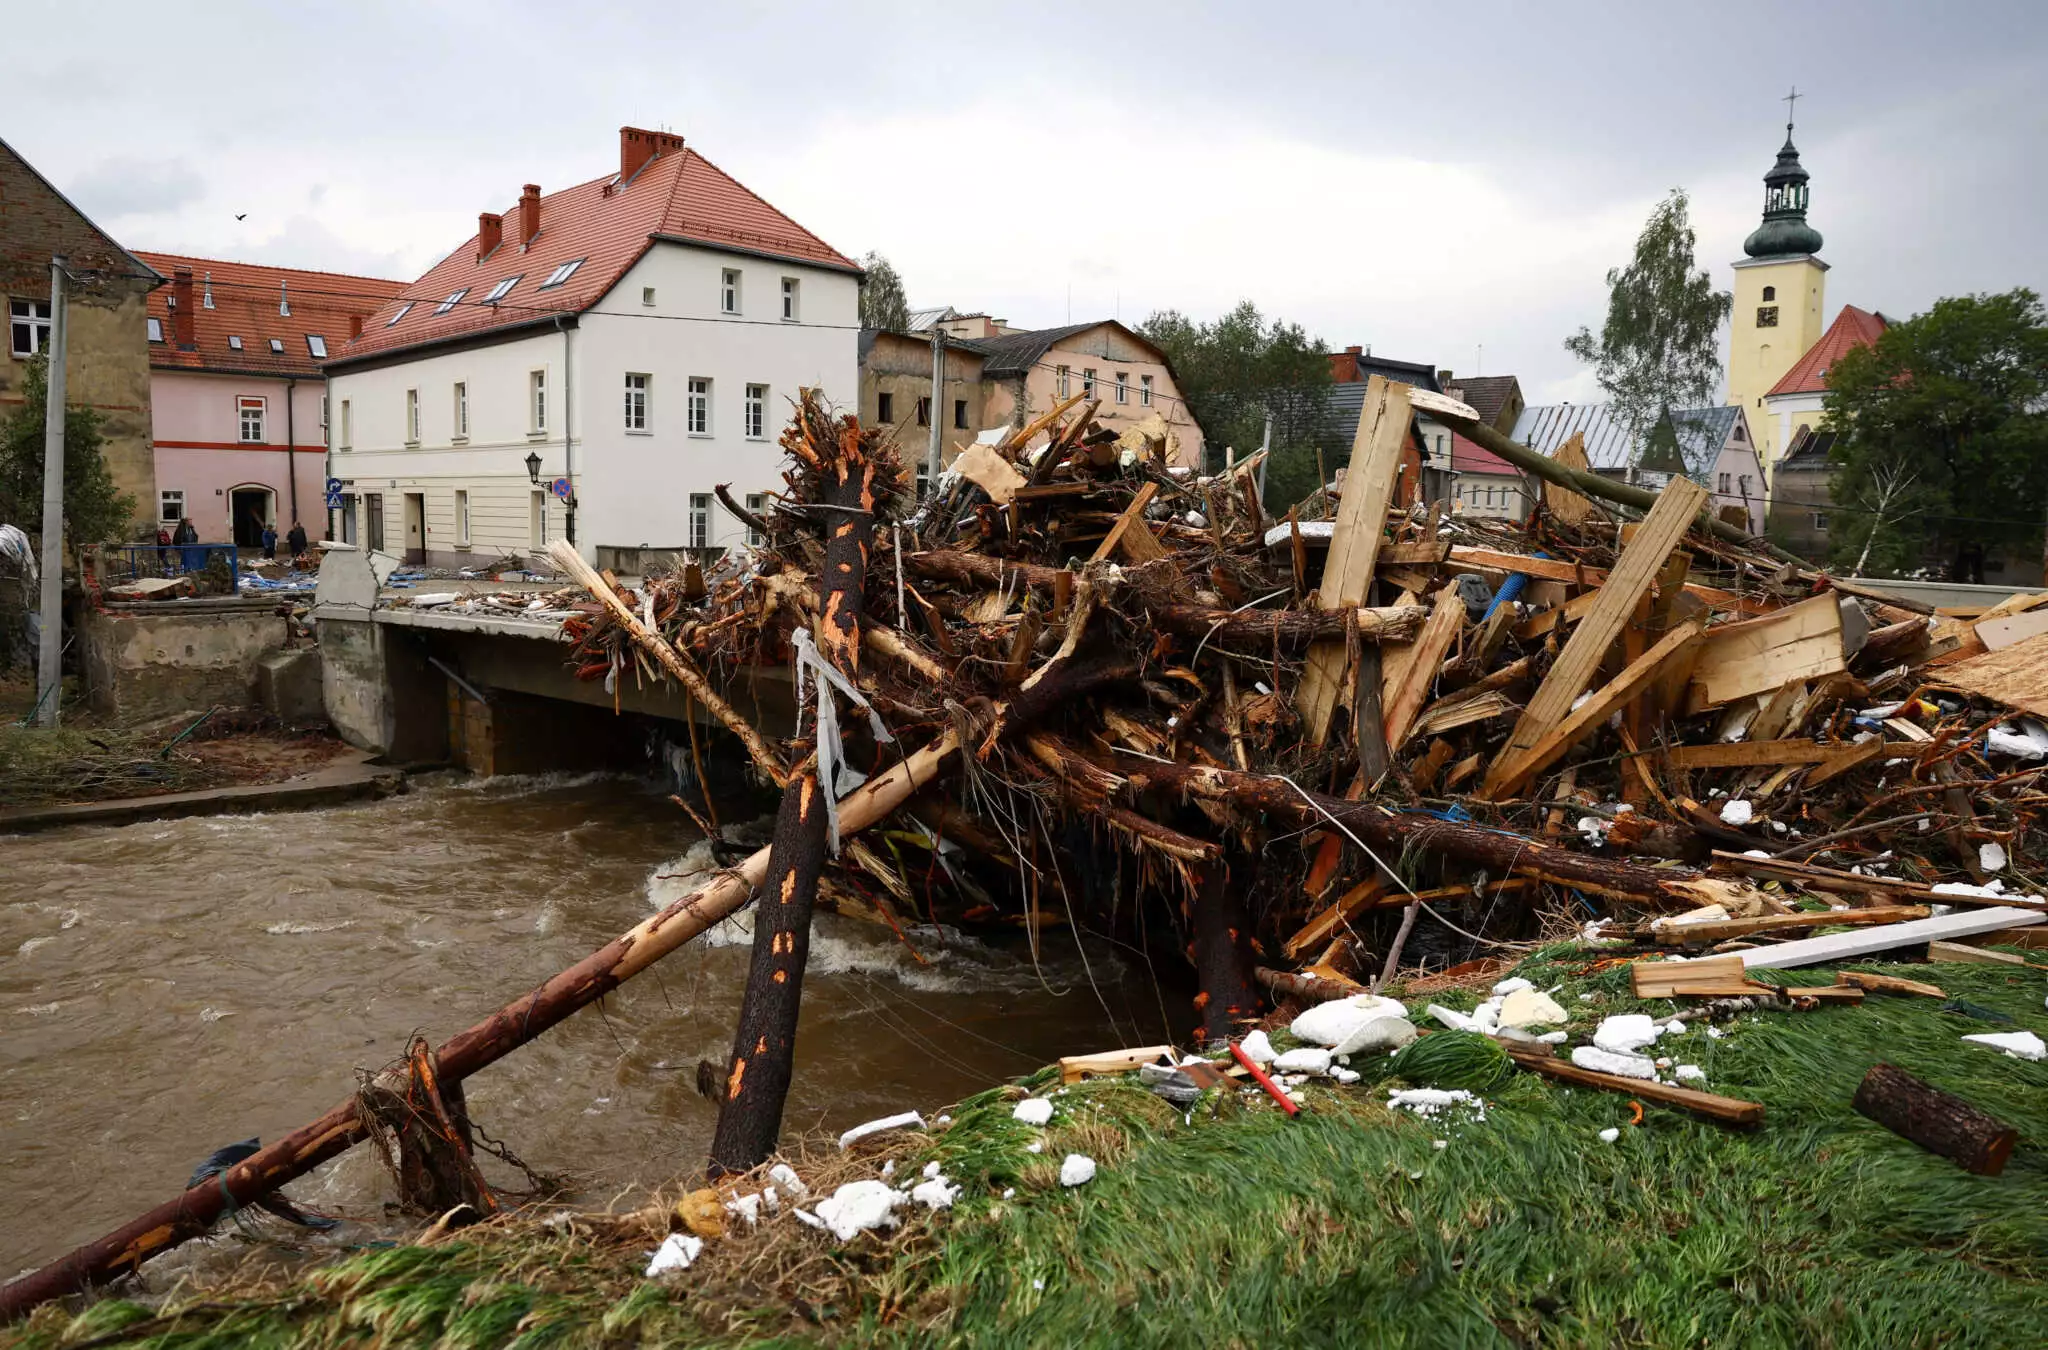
point(1791, 101)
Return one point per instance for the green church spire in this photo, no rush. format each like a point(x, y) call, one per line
point(1784, 233)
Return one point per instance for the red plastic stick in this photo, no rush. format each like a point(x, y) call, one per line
point(1258, 1074)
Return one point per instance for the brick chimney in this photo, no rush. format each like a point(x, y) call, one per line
point(184, 327)
point(637, 146)
point(355, 327)
point(529, 213)
point(490, 232)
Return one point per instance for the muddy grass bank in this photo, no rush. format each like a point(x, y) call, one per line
point(1353, 1223)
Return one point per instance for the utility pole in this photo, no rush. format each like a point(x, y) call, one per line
point(938, 392)
point(49, 665)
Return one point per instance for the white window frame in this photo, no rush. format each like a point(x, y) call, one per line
point(28, 318)
point(700, 520)
point(454, 299)
point(412, 417)
point(1725, 480)
point(790, 300)
point(403, 310)
point(637, 385)
point(560, 274)
point(156, 329)
point(245, 406)
point(459, 410)
point(647, 295)
point(462, 517)
point(503, 288)
point(277, 346)
point(697, 409)
point(234, 342)
point(537, 402)
point(344, 434)
point(729, 290)
point(1820, 520)
point(757, 506)
point(1144, 391)
point(316, 346)
point(1062, 382)
point(1088, 382)
point(1123, 387)
point(754, 413)
point(323, 412)
point(164, 498)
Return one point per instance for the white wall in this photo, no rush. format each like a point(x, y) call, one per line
point(635, 488)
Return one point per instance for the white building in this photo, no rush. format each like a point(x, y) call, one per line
point(591, 365)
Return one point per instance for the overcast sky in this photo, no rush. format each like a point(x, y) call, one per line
point(1435, 187)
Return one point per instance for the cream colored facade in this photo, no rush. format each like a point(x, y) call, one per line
point(1777, 318)
point(1101, 355)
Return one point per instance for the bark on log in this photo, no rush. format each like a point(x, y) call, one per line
point(1935, 1120)
point(1307, 988)
point(764, 1045)
point(1222, 955)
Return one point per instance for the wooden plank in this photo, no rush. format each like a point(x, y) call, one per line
point(1964, 954)
point(2016, 677)
point(1719, 930)
point(1748, 754)
point(1073, 1068)
point(1726, 1110)
point(1889, 984)
point(1567, 505)
point(1130, 527)
point(1863, 941)
point(1658, 979)
point(1666, 524)
point(1760, 656)
point(1374, 465)
point(1413, 554)
point(1319, 930)
point(1465, 558)
point(1855, 757)
point(1418, 672)
point(1579, 722)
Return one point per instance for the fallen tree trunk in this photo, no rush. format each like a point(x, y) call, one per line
point(1221, 950)
point(1935, 1120)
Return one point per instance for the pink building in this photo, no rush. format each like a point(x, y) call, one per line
point(238, 395)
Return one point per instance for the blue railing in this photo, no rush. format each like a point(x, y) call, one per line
point(120, 563)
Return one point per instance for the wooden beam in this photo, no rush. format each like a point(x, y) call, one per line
point(1726, 1110)
point(1842, 761)
point(1749, 754)
point(1073, 1068)
point(1567, 505)
point(1464, 558)
point(1355, 541)
point(1759, 656)
point(1318, 931)
point(1129, 526)
point(1719, 930)
point(1509, 776)
point(1864, 941)
point(1576, 664)
point(1401, 698)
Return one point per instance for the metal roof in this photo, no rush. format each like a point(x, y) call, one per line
point(1545, 427)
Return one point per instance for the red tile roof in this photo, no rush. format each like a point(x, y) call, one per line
point(1470, 457)
point(605, 223)
point(1851, 329)
point(245, 305)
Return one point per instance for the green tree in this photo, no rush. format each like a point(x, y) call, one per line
point(94, 511)
point(1660, 347)
point(881, 296)
point(1238, 371)
point(1942, 435)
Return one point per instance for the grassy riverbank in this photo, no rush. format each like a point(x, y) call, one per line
point(1348, 1225)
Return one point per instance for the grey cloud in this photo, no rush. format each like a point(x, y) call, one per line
point(127, 186)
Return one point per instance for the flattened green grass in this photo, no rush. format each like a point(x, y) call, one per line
point(1345, 1226)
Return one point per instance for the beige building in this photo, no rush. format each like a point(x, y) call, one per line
point(997, 376)
point(107, 345)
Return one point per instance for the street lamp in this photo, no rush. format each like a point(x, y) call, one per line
point(532, 467)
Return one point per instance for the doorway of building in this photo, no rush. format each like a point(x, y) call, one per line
point(415, 527)
point(248, 513)
point(348, 519)
point(373, 506)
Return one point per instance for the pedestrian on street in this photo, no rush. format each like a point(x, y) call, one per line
point(186, 538)
point(163, 549)
point(269, 542)
point(296, 540)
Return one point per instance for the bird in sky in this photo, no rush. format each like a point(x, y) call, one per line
point(243, 216)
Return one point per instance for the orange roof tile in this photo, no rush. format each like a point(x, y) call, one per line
point(245, 305)
point(1851, 329)
point(604, 225)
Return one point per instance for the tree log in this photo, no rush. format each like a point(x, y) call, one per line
point(1307, 988)
point(1222, 954)
point(1935, 1120)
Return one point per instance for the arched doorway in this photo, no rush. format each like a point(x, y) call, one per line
point(250, 508)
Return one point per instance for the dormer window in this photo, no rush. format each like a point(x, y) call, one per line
point(234, 342)
point(561, 274)
point(277, 346)
point(454, 299)
point(403, 310)
point(499, 291)
point(316, 345)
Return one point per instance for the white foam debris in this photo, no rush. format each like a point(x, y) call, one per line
point(1689, 1073)
point(1439, 1143)
point(1430, 1101)
point(1736, 811)
point(1531, 1007)
point(1035, 1146)
point(1335, 1022)
point(676, 1252)
point(1377, 1036)
point(1609, 1061)
point(2025, 739)
point(858, 1206)
point(907, 1120)
point(809, 1218)
point(1257, 1048)
point(2018, 1044)
point(771, 1199)
point(1991, 890)
point(1554, 1037)
point(1512, 985)
point(1077, 1169)
point(1991, 857)
point(1304, 1059)
point(1452, 1018)
point(783, 1175)
point(1009, 1192)
point(937, 1193)
point(1033, 1110)
point(1625, 1033)
point(1342, 1074)
point(1595, 829)
point(748, 1207)
point(889, 1168)
point(1609, 1135)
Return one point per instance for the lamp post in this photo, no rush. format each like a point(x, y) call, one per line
point(533, 467)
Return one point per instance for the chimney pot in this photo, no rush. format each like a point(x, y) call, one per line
point(529, 214)
point(490, 232)
point(184, 325)
point(1354, 351)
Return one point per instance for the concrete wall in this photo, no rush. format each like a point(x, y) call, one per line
point(380, 693)
point(155, 659)
point(200, 452)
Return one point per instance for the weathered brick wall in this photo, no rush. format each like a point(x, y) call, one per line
point(107, 365)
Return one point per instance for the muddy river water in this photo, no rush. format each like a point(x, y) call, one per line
point(170, 987)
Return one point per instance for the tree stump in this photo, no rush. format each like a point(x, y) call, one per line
point(1935, 1120)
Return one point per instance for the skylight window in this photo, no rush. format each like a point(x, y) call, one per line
point(234, 342)
point(561, 274)
point(451, 302)
point(277, 346)
point(156, 330)
point(316, 345)
point(403, 310)
point(499, 291)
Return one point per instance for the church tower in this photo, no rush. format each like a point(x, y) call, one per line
point(1780, 288)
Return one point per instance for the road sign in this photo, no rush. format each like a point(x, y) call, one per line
point(333, 486)
point(334, 499)
point(563, 489)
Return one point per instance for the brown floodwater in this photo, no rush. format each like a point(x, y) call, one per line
point(170, 987)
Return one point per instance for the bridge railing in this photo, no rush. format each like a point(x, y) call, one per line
point(215, 569)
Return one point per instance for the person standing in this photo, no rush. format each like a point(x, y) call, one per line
point(269, 542)
point(296, 540)
point(163, 550)
point(186, 537)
